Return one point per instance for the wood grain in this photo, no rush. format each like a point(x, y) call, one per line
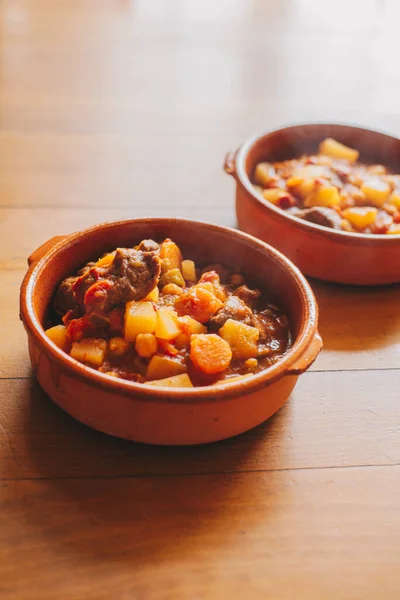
point(260, 535)
point(112, 109)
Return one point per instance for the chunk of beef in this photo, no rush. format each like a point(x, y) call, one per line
point(248, 296)
point(148, 246)
point(321, 215)
point(64, 299)
point(272, 325)
point(134, 274)
point(234, 308)
point(131, 276)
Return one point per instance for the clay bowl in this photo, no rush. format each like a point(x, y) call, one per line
point(163, 415)
point(319, 252)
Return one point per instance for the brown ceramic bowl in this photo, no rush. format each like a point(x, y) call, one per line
point(319, 252)
point(163, 415)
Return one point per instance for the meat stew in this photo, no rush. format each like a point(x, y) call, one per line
point(333, 189)
point(145, 314)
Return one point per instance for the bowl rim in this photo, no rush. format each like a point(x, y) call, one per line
point(307, 333)
point(335, 234)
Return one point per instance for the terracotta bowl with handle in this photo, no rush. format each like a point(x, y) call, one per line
point(165, 415)
point(319, 252)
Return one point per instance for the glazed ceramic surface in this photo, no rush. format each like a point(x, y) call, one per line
point(163, 415)
point(326, 254)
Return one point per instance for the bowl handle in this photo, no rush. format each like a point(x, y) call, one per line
point(41, 251)
point(230, 163)
point(308, 357)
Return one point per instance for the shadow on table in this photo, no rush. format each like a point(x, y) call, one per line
point(105, 497)
point(357, 318)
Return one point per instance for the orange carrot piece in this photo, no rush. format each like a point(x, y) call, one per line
point(210, 353)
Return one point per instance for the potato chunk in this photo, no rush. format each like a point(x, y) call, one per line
point(323, 195)
point(242, 339)
point(334, 149)
point(171, 256)
point(376, 191)
point(58, 335)
point(152, 296)
point(140, 317)
point(180, 381)
point(190, 326)
point(90, 351)
point(264, 173)
point(164, 366)
point(361, 217)
point(273, 195)
point(167, 326)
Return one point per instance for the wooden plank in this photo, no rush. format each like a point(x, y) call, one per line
point(132, 172)
point(329, 533)
point(234, 66)
point(332, 419)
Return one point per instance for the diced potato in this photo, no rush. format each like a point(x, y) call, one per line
point(376, 191)
point(179, 381)
point(90, 351)
point(242, 339)
point(152, 296)
point(334, 149)
point(394, 229)
point(360, 217)
point(106, 260)
point(191, 326)
point(301, 186)
point(140, 317)
point(189, 270)
point(146, 345)
point(323, 196)
point(172, 276)
point(264, 173)
point(172, 289)
point(394, 199)
point(167, 326)
point(117, 347)
point(164, 366)
point(58, 335)
point(274, 194)
point(199, 303)
point(171, 256)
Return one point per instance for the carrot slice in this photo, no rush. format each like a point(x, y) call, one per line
point(210, 353)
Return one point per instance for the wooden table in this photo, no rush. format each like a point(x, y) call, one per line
point(116, 108)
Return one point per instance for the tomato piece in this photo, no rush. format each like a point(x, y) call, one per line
point(96, 296)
